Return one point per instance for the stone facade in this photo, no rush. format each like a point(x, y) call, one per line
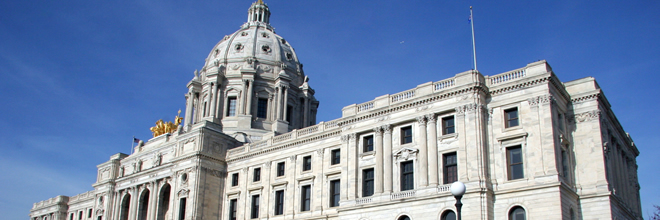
point(250, 148)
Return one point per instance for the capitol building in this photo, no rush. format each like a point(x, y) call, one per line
point(248, 146)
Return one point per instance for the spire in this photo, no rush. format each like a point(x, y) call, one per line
point(259, 12)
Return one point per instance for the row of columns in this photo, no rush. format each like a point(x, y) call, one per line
point(427, 163)
point(136, 192)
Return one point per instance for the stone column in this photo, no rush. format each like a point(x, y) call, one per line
point(306, 113)
point(153, 201)
point(207, 106)
point(241, 107)
point(422, 164)
point(286, 103)
point(214, 99)
point(433, 150)
point(346, 189)
point(249, 97)
point(278, 104)
point(378, 181)
point(387, 158)
point(189, 107)
point(132, 209)
point(352, 166)
point(269, 113)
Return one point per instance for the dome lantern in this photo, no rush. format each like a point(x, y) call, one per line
point(259, 12)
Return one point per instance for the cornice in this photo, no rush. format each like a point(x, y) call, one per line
point(284, 146)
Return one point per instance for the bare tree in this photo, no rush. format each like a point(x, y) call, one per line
point(656, 214)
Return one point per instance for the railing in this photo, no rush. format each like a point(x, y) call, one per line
point(260, 144)
point(363, 200)
point(511, 75)
point(282, 137)
point(403, 95)
point(404, 194)
point(444, 188)
point(332, 124)
point(81, 196)
point(308, 130)
point(443, 84)
point(236, 150)
point(365, 106)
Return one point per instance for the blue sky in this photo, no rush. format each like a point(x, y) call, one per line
point(81, 78)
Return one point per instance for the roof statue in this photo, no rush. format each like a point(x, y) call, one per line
point(166, 127)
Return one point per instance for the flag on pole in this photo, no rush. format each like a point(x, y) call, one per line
point(135, 140)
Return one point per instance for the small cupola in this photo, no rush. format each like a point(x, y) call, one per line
point(259, 12)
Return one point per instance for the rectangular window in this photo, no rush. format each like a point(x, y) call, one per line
point(367, 182)
point(515, 162)
point(368, 143)
point(450, 168)
point(279, 202)
point(89, 213)
point(289, 109)
point(256, 174)
point(560, 120)
point(182, 209)
point(280, 169)
point(511, 117)
point(232, 209)
point(407, 176)
point(231, 106)
point(262, 108)
point(564, 164)
point(234, 179)
point(406, 135)
point(305, 197)
point(336, 157)
point(448, 125)
point(254, 210)
point(334, 193)
point(307, 163)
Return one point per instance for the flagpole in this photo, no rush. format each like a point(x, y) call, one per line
point(132, 144)
point(474, 50)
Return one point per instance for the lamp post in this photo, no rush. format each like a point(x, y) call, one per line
point(458, 189)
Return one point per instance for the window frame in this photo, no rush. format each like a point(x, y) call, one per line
point(233, 209)
point(516, 209)
point(508, 120)
point(407, 175)
point(335, 156)
point(335, 193)
point(405, 138)
point(234, 179)
point(307, 163)
point(281, 169)
point(368, 183)
point(368, 143)
point(446, 166)
point(254, 208)
point(445, 127)
point(231, 109)
point(256, 174)
point(305, 198)
point(279, 202)
point(262, 108)
point(510, 165)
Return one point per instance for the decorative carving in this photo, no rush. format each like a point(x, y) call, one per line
point(405, 154)
point(283, 41)
point(543, 99)
point(183, 192)
point(288, 55)
point(267, 164)
point(265, 48)
point(386, 128)
point(421, 120)
point(99, 212)
point(382, 118)
point(239, 47)
point(244, 33)
point(348, 137)
point(157, 160)
point(587, 116)
point(419, 109)
point(320, 152)
point(431, 118)
point(292, 158)
point(460, 110)
point(283, 66)
point(236, 66)
point(378, 130)
point(264, 34)
point(169, 127)
point(266, 68)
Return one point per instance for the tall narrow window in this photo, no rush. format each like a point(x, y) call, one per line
point(517, 213)
point(163, 202)
point(234, 179)
point(450, 169)
point(280, 169)
point(89, 213)
point(448, 125)
point(254, 209)
point(289, 109)
point(368, 143)
point(406, 135)
point(256, 174)
point(125, 205)
point(80, 215)
point(182, 209)
point(232, 209)
point(511, 117)
point(307, 163)
point(560, 121)
point(515, 162)
point(367, 182)
point(305, 197)
point(336, 156)
point(407, 176)
point(231, 106)
point(143, 204)
point(71, 216)
point(564, 164)
point(279, 202)
point(262, 108)
point(334, 193)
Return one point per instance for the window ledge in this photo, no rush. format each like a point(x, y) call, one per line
point(373, 152)
point(448, 136)
point(514, 128)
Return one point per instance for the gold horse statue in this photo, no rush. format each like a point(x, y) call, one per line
point(166, 127)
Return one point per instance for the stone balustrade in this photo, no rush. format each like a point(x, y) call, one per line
point(404, 194)
point(81, 196)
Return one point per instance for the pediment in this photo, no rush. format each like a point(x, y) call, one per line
point(405, 153)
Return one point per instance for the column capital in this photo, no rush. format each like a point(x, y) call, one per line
point(421, 120)
point(431, 118)
point(387, 129)
point(378, 130)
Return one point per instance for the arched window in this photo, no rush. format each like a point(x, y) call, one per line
point(163, 202)
point(517, 213)
point(572, 214)
point(448, 215)
point(125, 205)
point(143, 204)
point(404, 217)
